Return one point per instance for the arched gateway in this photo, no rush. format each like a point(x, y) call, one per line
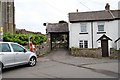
point(58, 34)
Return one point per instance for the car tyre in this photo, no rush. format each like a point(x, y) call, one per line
point(32, 61)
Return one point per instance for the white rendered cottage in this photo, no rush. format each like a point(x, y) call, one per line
point(87, 27)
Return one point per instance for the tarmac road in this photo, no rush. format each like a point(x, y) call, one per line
point(59, 64)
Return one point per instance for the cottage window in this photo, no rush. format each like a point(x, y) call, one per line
point(83, 44)
point(83, 27)
point(100, 27)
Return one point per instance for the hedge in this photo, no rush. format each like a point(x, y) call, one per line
point(23, 38)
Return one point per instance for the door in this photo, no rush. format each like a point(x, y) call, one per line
point(104, 45)
point(20, 55)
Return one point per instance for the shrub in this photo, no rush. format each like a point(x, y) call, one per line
point(23, 38)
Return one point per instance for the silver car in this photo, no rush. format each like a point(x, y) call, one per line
point(13, 54)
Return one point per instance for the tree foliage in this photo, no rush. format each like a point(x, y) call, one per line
point(23, 39)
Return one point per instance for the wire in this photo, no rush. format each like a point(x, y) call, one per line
point(56, 9)
point(84, 5)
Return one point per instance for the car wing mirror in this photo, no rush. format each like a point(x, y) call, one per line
point(25, 50)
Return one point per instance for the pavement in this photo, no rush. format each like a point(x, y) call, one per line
point(62, 56)
point(103, 65)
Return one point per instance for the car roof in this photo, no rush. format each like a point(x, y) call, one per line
point(7, 42)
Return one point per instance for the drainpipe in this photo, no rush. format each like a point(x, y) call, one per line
point(92, 33)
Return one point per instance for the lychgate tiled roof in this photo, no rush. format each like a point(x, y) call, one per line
point(94, 16)
point(57, 27)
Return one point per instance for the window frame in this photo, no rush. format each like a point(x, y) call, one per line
point(100, 24)
point(83, 28)
point(83, 43)
point(18, 46)
point(8, 46)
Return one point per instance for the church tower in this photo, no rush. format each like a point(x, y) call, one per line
point(7, 16)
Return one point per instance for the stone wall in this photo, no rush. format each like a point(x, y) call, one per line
point(114, 54)
point(42, 49)
point(94, 53)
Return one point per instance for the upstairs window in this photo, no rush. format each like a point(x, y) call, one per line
point(101, 27)
point(83, 27)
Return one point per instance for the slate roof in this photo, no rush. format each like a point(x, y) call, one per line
point(94, 16)
point(57, 27)
point(104, 37)
point(117, 39)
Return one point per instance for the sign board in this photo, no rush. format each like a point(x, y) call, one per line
point(1, 29)
point(1, 33)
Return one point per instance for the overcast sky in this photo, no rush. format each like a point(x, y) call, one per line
point(31, 14)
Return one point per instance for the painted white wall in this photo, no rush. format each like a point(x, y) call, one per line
point(111, 29)
point(118, 43)
point(75, 35)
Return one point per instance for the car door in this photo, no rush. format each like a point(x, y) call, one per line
point(8, 57)
point(20, 55)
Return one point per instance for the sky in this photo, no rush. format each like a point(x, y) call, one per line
point(31, 14)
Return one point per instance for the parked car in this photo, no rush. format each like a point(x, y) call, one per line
point(13, 54)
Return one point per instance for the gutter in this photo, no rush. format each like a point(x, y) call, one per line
point(92, 33)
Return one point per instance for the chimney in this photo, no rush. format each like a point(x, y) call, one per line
point(76, 10)
point(107, 7)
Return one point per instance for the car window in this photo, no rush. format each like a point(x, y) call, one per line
point(0, 47)
point(17, 48)
point(4, 47)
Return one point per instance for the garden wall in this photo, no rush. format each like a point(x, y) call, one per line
point(114, 54)
point(42, 49)
point(94, 53)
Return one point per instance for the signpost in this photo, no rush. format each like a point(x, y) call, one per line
point(1, 33)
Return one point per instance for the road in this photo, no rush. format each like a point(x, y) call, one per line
point(58, 64)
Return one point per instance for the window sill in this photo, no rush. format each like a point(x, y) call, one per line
point(83, 33)
point(101, 32)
